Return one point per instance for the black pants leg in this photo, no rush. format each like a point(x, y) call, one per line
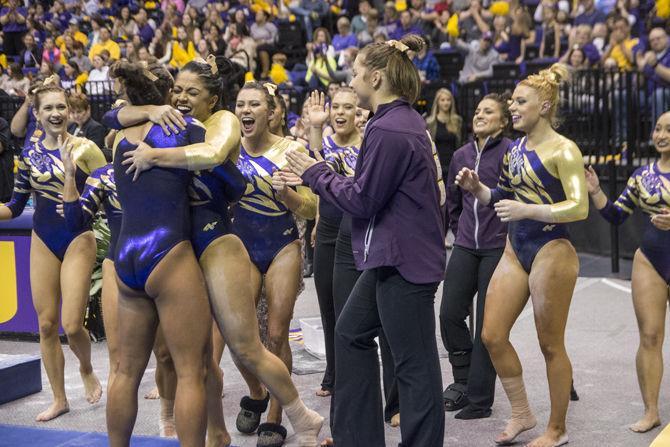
point(309, 250)
point(482, 377)
point(468, 272)
point(383, 299)
point(324, 262)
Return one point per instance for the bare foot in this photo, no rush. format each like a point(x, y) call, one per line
point(153, 394)
point(648, 422)
point(167, 428)
point(219, 440)
point(56, 409)
point(92, 387)
point(514, 428)
point(395, 420)
point(550, 438)
point(323, 393)
point(326, 442)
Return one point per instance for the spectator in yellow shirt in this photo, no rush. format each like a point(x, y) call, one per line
point(620, 51)
point(183, 49)
point(106, 43)
point(73, 30)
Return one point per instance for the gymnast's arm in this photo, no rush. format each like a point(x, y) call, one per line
point(222, 140)
point(575, 207)
point(21, 193)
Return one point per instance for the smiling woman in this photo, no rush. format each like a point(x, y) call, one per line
point(61, 260)
point(541, 189)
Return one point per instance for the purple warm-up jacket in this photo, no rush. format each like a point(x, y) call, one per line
point(394, 198)
point(476, 226)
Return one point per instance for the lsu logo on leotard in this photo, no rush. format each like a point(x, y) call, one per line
point(210, 226)
point(516, 161)
point(548, 228)
point(288, 232)
point(8, 288)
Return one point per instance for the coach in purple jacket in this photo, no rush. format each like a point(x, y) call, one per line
point(479, 244)
point(396, 202)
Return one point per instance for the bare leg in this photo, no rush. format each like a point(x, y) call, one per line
point(110, 302)
point(138, 320)
point(45, 285)
point(650, 298)
point(552, 283)
point(281, 285)
point(181, 300)
point(75, 285)
point(505, 299)
point(231, 298)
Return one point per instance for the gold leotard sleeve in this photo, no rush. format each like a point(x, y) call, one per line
point(307, 209)
point(222, 140)
point(87, 154)
point(570, 166)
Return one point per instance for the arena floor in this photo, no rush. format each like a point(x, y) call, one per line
point(602, 340)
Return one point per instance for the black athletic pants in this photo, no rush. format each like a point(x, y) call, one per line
point(468, 273)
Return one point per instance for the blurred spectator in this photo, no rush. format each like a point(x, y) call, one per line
point(344, 37)
point(422, 15)
point(391, 18)
point(620, 51)
point(215, 40)
point(13, 21)
point(655, 64)
point(580, 38)
point(319, 68)
point(439, 34)
point(183, 49)
point(479, 58)
point(81, 123)
point(6, 162)
point(161, 46)
point(576, 58)
point(311, 12)
point(31, 57)
point(143, 55)
point(405, 27)
point(588, 14)
point(474, 21)
point(426, 63)
point(360, 21)
point(51, 53)
point(73, 30)
point(550, 45)
point(264, 34)
point(96, 25)
point(72, 76)
point(145, 29)
point(192, 29)
point(124, 26)
point(98, 78)
point(16, 83)
point(46, 69)
point(242, 48)
point(80, 58)
point(559, 5)
point(105, 43)
point(445, 127)
point(321, 42)
point(371, 28)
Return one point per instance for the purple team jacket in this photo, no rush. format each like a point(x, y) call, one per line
point(476, 226)
point(394, 197)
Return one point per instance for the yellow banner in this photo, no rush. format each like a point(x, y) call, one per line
point(8, 291)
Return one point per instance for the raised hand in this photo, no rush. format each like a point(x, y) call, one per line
point(169, 118)
point(65, 149)
point(299, 162)
point(592, 181)
point(468, 180)
point(317, 110)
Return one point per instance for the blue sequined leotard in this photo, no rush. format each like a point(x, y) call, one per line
point(156, 213)
point(525, 178)
point(263, 223)
point(341, 159)
point(211, 193)
point(649, 189)
point(41, 171)
point(99, 192)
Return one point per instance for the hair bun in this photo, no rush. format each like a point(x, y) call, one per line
point(414, 42)
point(556, 75)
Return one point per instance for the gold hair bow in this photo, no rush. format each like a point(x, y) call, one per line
point(397, 45)
point(147, 73)
point(271, 88)
point(211, 60)
point(51, 80)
